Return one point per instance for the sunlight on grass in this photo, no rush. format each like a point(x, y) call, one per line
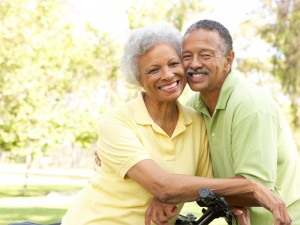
point(35, 190)
point(34, 214)
point(48, 205)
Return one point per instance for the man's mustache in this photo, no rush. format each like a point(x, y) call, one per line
point(190, 71)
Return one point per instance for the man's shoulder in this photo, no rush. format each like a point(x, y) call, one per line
point(193, 101)
point(249, 97)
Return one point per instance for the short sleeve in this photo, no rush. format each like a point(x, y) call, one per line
point(119, 145)
point(254, 147)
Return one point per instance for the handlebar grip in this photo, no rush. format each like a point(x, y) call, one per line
point(206, 196)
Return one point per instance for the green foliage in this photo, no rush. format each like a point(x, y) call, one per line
point(50, 76)
point(176, 12)
point(283, 32)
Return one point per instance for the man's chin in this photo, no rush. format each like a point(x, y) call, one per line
point(196, 86)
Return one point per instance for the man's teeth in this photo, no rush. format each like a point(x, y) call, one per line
point(169, 86)
point(196, 75)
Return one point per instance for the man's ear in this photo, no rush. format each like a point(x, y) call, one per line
point(229, 60)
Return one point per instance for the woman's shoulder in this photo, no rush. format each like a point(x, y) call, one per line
point(193, 114)
point(116, 113)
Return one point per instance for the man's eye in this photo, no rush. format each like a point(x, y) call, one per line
point(206, 56)
point(186, 57)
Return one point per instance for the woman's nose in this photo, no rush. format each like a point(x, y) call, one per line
point(167, 74)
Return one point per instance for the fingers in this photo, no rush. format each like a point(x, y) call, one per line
point(242, 214)
point(160, 213)
point(148, 216)
point(160, 218)
point(97, 159)
point(272, 202)
point(281, 216)
point(279, 210)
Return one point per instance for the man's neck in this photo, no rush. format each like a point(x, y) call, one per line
point(210, 99)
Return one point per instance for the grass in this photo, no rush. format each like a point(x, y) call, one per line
point(34, 206)
point(35, 190)
point(43, 215)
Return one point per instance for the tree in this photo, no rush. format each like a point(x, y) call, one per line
point(283, 32)
point(176, 12)
point(50, 76)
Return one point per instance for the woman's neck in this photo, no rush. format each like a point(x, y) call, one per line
point(164, 114)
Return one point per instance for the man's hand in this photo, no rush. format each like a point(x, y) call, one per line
point(160, 213)
point(274, 204)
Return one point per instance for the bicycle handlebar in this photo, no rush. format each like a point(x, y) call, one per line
point(215, 207)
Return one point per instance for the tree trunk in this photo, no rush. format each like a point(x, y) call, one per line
point(28, 167)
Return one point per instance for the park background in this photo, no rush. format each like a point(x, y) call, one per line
point(59, 71)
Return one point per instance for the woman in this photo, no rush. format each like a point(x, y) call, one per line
point(150, 146)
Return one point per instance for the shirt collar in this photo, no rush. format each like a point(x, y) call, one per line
point(142, 116)
point(226, 90)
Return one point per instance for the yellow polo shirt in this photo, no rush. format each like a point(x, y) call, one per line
point(128, 135)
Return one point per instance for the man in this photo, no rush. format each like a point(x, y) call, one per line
point(248, 134)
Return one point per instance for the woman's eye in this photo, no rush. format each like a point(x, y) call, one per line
point(153, 71)
point(173, 64)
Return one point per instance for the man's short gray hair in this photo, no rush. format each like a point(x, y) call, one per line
point(213, 26)
point(142, 40)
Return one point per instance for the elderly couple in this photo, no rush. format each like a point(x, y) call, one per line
point(156, 153)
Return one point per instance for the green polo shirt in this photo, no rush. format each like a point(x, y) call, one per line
point(249, 136)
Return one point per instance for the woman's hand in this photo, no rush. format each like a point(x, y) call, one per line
point(97, 159)
point(160, 213)
point(242, 214)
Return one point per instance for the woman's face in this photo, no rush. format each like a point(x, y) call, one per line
point(161, 73)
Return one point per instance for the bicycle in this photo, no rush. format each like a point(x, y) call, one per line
point(215, 207)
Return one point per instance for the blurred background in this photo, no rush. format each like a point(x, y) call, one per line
point(59, 71)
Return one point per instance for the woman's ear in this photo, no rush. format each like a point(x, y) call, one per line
point(141, 81)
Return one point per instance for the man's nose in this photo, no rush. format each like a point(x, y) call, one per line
point(195, 63)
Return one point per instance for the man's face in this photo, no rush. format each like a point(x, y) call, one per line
point(204, 61)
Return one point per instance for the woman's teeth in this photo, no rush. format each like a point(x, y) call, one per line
point(169, 86)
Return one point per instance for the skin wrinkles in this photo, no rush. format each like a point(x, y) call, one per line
point(163, 78)
point(203, 49)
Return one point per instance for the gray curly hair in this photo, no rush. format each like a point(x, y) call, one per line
point(142, 40)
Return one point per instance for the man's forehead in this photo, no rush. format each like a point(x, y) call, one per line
point(203, 38)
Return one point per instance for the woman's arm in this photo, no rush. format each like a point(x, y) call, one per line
point(176, 188)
